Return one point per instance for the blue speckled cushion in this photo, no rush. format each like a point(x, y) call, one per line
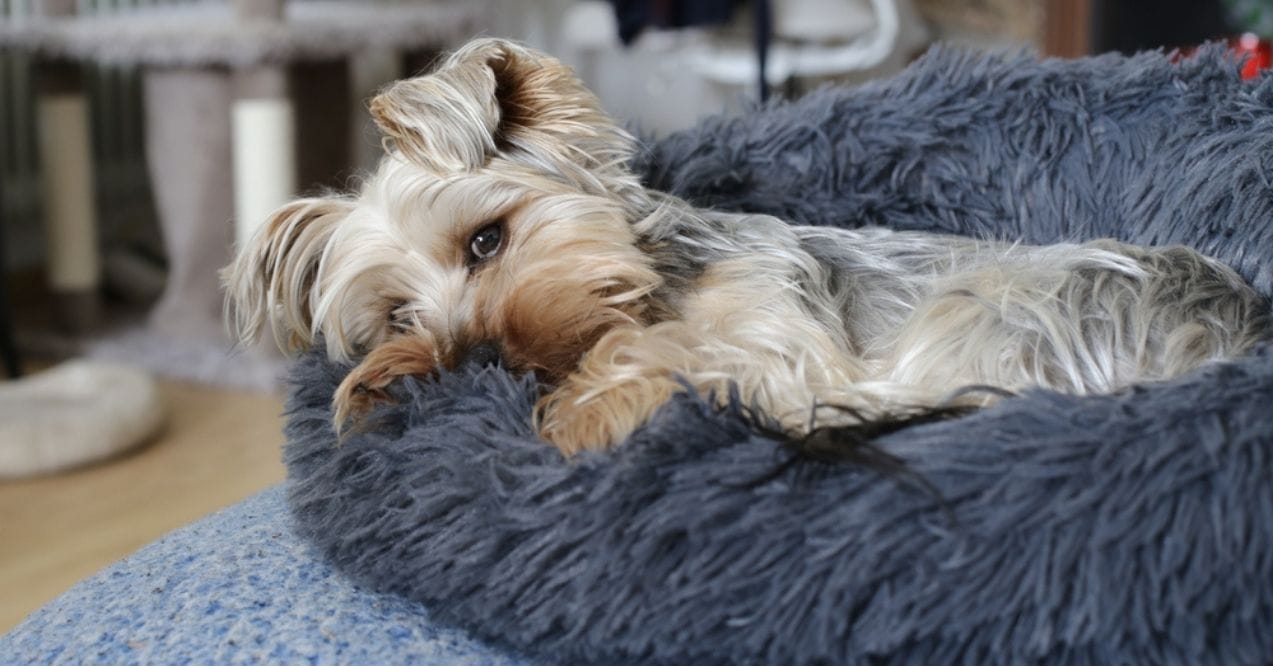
point(236, 587)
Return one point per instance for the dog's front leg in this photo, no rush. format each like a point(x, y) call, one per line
point(618, 385)
point(367, 383)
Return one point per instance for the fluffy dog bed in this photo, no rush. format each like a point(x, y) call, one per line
point(1132, 528)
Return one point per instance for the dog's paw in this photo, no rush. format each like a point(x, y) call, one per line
point(356, 396)
point(367, 384)
point(574, 426)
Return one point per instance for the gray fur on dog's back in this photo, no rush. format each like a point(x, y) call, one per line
point(1135, 528)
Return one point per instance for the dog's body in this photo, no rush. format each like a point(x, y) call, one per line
point(505, 224)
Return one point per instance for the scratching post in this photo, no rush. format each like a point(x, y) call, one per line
point(67, 193)
point(264, 130)
point(264, 146)
point(247, 104)
point(188, 152)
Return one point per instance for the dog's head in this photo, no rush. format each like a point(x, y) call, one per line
point(499, 220)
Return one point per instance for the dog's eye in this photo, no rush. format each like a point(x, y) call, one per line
point(486, 243)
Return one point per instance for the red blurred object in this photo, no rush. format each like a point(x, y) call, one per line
point(1257, 52)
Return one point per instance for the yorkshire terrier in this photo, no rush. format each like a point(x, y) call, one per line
point(504, 225)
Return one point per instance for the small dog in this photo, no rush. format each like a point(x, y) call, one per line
point(504, 225)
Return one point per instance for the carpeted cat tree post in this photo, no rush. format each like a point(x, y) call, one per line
point(263, 130)
point(247, 104)
point(67, 191)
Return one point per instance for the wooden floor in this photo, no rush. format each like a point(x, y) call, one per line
point(217, 448)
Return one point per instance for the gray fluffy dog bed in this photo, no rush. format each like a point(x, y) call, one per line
point(1133, 528)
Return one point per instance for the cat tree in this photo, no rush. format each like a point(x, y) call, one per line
point(247, 103)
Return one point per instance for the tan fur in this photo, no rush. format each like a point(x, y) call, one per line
point(412, 354)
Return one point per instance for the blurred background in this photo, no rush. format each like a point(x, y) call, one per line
point(140, 138)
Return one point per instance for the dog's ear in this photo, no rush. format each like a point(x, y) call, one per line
point(271, 281)
point(494, 96)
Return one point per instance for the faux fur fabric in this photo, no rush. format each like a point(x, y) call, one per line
point(1131, 528)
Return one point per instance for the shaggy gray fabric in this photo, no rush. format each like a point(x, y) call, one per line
point(1134, 528)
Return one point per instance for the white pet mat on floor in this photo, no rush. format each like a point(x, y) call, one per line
point(75, 413)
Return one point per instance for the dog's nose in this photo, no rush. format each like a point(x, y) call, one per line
point(481, 354)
